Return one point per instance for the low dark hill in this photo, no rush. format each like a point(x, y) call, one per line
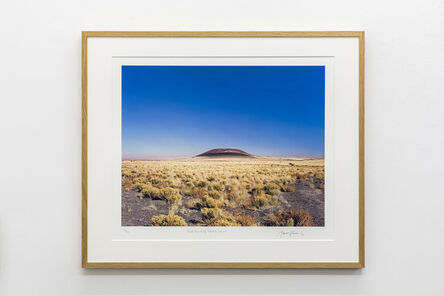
point(225, 152)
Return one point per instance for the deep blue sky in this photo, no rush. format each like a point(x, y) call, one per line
point(177, 111)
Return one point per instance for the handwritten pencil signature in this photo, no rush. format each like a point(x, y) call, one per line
point(289, 233)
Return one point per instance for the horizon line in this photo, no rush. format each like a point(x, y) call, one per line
point(160, 158)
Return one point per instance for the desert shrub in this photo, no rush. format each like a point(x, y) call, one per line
point(290, 222)
point(155, 181)
point(139, 180)
point(289, 218)
point(288, 188)
point(272, 188)
point(285, 180)
point(228, 188)
point(180, 175)
point(187, 190)
point(245, 220)
point(257, 191)
point(168, 220)
point(218, 217)
point(193, 204)
point(214, 194)
point(223, 222)
point(209, 202)
point(202, 184)
point(138, 186)
point(232, 196)
point(262, 201)
point(198, 192)
point(210, 213)
point(259, 201)
point(149, 191)
point(272, 200)
point(183, 176)
point(125, 172)
point(171, 195)
point(217, 187)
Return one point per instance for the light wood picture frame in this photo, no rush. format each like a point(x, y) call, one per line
point(89, 92)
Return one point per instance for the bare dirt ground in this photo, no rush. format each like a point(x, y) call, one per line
point(307, 196)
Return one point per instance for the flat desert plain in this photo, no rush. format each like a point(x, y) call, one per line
point(230, 191)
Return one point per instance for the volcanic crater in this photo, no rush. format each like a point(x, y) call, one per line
point(225, 152)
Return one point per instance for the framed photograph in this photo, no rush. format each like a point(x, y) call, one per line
point(223, 149)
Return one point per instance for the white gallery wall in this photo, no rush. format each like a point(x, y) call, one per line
point(40, 115)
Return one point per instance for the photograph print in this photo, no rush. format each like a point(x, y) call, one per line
point(223, 146)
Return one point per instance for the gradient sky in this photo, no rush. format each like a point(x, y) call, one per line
point(182, 111)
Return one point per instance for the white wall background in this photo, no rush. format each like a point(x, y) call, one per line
point(40, 193)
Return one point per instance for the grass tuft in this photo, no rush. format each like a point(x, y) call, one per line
point(289, 218)
point(168, 220)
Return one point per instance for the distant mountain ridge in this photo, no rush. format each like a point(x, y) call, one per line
point(225, 152)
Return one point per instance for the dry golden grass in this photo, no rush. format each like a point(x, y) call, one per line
point(213, 186)
point(245, 220)
point(289, 218)
point(168, 220)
